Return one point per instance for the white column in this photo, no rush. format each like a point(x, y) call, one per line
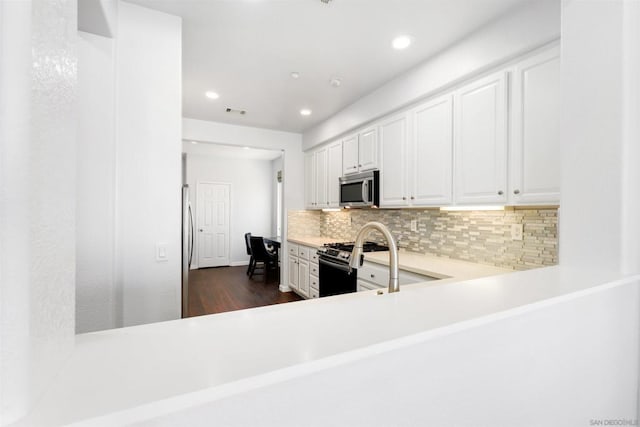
point(598, 220)
point(37, 197)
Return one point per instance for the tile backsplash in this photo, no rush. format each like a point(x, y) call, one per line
point(477, 236)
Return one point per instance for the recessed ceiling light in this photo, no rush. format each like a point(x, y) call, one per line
point(212, 95)
point(295, 75)
point(335, 82)
point(305, 112)
point(194, 142)
point(246, 148)
point(401, 42)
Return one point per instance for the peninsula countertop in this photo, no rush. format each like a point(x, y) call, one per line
point(174, 364)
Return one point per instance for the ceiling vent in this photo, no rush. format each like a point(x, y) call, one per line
point(235, 111)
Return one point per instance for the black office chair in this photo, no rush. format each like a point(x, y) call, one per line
point(260, 254)
point(247, 241)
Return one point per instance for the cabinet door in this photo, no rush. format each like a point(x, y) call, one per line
point(393, 162)
point(303, 277)
point(321, 178)
point(350, 155)
point(309, 181)
point(480, 141)
point(432, 153)
point(368, 150)
point(535, 138)
point(293, 273)
point(334, 172)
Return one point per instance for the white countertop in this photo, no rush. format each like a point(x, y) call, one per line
point(435, 266)
point(314, 242)
point(425, 264)
point(210, 357)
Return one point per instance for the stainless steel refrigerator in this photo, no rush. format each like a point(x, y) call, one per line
point(187, 247)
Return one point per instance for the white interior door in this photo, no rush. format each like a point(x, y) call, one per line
point(213, 224)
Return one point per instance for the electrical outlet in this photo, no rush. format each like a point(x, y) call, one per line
point(414, 225)
point(516, 231)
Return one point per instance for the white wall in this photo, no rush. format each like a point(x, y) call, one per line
point(524, 29)
point(129, 183)
point(37, 197)
point(148, 158)
point(96, 304)
point(289, 143)
point(600, 185)
point(251, 197)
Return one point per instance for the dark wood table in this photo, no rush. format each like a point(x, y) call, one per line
point(276, 242)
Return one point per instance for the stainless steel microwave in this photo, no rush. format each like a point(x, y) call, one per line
point(360, 190)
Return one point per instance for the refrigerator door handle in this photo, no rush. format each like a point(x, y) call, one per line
point(190, 235)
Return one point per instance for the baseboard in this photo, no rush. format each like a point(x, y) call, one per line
point(284, 288)
point(239, 263)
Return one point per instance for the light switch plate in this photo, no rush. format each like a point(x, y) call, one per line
point(161, 252)
point(516, 231)
point(414, 225)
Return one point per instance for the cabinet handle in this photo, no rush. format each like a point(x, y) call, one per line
point(412, 197)
point(500, 193)
point(373, 275)
point(404, 198)
point(516, 191)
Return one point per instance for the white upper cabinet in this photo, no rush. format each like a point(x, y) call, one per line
point(309, 181)
point(431, 153)
point(480, 139)
point(334, 172)
point(360, 152)
point(322, 200)
point(350, 154)
point(393, 162)
point(368, 150)
point(535, 137)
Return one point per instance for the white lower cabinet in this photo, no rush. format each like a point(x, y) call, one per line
point(293, 273)
point(303, 270)
point(303, 277)
point(375, 276)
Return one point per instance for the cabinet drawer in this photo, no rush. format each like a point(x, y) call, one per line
point(314, 282)
point(293, 249)
point(303, 252)
point(314, 293)
point(374, 273)
point(313, 256)
point(363, 285)
point(379, 275)
point(314, 269)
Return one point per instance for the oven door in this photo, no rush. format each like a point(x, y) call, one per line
point(335, 278)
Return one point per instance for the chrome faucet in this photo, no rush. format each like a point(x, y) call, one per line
point(356, 253)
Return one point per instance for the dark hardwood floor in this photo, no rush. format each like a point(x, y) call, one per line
point(220, 289)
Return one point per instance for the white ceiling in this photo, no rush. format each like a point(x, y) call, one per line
point(246, 49)
point(229, 151)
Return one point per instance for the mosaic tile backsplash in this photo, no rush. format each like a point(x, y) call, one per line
point(478, 236)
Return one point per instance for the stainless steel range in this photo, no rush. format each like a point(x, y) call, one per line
point(333, 259)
